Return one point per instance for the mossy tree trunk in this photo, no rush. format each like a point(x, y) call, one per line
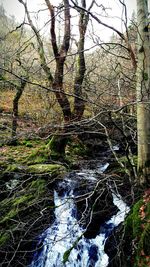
point(57, 146)
point(143, 93)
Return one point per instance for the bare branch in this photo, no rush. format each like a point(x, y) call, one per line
point(40, 43)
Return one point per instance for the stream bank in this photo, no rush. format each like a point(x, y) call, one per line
point(27, 206)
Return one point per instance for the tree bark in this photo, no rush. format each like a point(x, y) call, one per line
point(60, 57)
point(79, 104)
point(143, 93)
point(59, 91)
point(15, 109)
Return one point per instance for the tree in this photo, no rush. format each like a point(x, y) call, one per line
point(56, 81)
point(19, 91)
point(60, 55)
point(143, 92)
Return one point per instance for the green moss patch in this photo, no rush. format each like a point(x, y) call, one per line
point(4, 238)
point(22, 206)
point(24, 152)
point(133, 221)
point(14, 168)
point(11, 207)
point(52, 169)
point(38, 155)
point(138, 230)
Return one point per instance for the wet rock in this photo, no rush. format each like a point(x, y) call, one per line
point(95, 211)
point(118, 249)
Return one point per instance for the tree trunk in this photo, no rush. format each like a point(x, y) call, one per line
point(79, 104)
point(143, 93)
point(59, 91)
point(15, 109)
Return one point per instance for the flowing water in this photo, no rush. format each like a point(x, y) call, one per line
point(65, 237)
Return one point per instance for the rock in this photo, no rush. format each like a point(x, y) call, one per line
point(95, 210)
point(118, 249)
point(102, 210)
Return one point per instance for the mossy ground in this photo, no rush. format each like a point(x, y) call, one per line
point(22, 153)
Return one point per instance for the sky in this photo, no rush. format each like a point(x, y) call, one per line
point(13, 7)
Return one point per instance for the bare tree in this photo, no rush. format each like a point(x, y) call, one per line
point(56, 81)
point(60, 55)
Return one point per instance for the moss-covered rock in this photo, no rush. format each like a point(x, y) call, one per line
point(137, 230)
point(26, 210)
point(20, 226)
point(76, 148)
point(129, 245)
point(52, 169)
point(133, 221)
point(14, 168)
point(12, 207)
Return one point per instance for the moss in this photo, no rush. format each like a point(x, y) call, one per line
point(53, 169)
point(38, 185)
point(57, 146)
point(26, 152)
point(23, 204)
point(11, 207)
point(14, 206)
point(29, 144)
point(21, 200)
point(38, 155)
point(144, 240)
point(20, 208)
point(11, 214)
point(133, 221)
point(4, 237)
point(79, 150)
point(125, 161)
point(37, 159)
point(13, 168)
point(76, 148)
point(137, 228)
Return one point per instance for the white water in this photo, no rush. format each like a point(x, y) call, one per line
point(61, 236)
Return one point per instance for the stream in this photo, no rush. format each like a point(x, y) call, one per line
point(63, 243)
